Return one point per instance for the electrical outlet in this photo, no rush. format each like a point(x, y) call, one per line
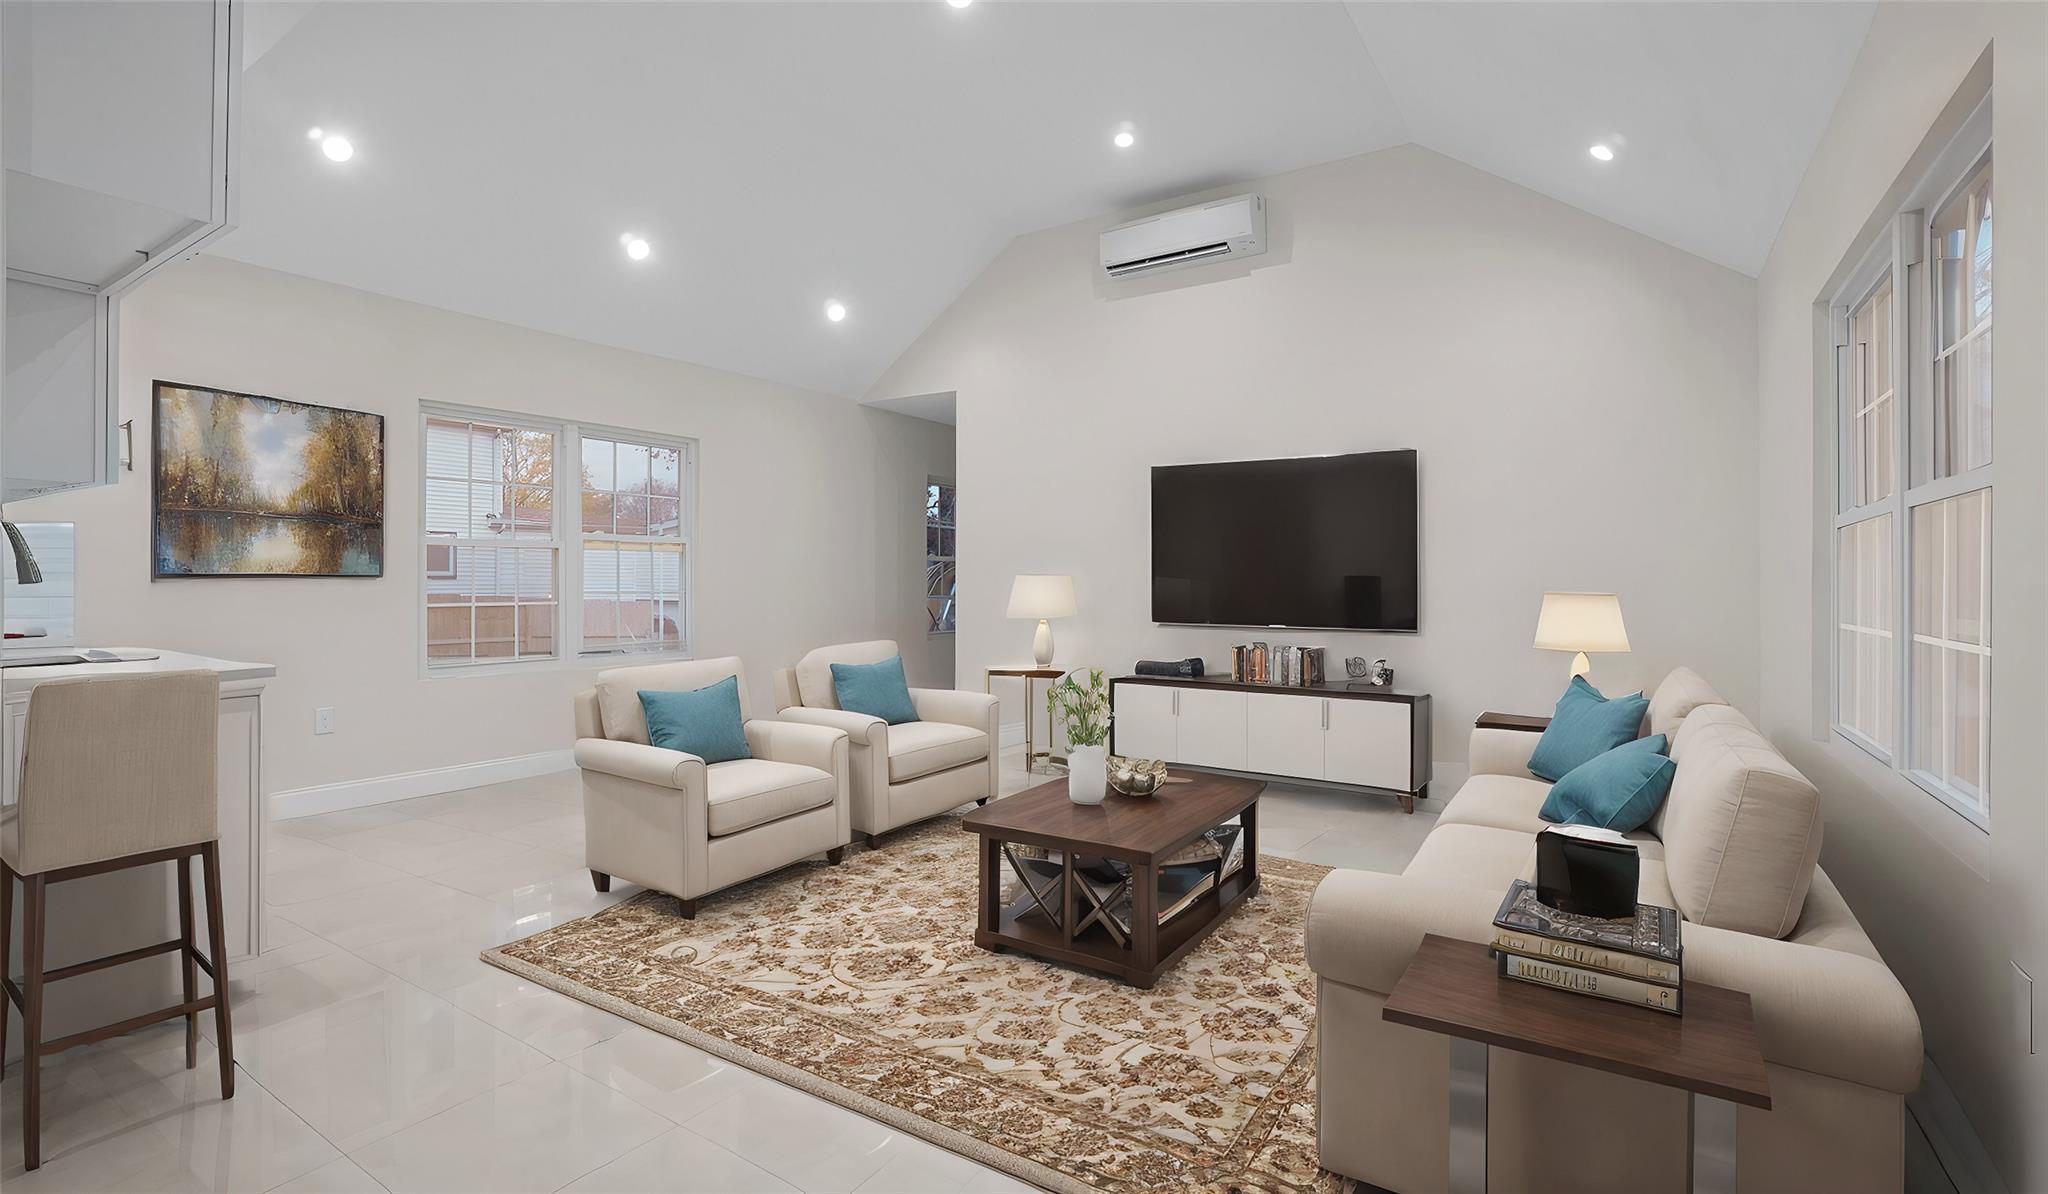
point(2023, 1008)
point(323, 720)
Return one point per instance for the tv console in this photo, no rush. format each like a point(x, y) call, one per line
point(1350, 736)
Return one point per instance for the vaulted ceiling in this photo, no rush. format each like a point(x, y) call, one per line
point(780, 156)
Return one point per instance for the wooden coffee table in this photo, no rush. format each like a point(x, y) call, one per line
point(1140, 831)
point(1711, 1052)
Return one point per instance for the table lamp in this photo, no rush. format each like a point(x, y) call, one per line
point(1035, 595)
point(1581, 622)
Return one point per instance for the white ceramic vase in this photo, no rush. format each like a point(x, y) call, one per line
point(1087, 775)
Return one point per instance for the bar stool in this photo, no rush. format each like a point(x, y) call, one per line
point(116, 772)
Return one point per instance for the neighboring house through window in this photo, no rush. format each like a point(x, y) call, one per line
point(508, 577)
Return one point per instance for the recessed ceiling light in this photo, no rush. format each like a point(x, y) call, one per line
point(1124, 138)
point(337, 148)
point(959, 3)
point(314, 133)
point(1601, 153)
point(636, 247)
point(835, 311)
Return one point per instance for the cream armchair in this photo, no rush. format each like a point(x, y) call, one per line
point(670, 821)
point(900, 773)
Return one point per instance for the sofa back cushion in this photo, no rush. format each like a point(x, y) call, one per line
point(1681, 692)
point(814, 671)
point(619, 689)
point(1741, 827)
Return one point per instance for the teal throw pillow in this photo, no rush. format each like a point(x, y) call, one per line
point(705, 722)
point(876, 689)
point(1585, 725)
point(1620, 790)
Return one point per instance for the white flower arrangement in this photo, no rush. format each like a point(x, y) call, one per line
point(1082, 709)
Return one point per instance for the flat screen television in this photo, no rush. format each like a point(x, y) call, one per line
point(1312, 542)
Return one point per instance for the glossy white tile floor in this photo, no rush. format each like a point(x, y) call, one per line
point(375, 1052)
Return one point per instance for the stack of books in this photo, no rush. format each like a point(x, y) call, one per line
point(1294, 667)
point(1630, 959)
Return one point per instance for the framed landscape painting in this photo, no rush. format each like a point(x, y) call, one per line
point(253, 486)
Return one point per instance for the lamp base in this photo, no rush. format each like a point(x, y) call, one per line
point(1581, 666)
point(1041, 644)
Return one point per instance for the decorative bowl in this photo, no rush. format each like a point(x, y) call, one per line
point(1136, 777)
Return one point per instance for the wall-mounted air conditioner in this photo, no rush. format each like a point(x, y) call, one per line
point(1214, 231)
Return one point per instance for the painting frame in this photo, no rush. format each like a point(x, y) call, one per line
point(364, 534)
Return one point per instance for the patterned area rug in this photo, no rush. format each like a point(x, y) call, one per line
point(862, 984)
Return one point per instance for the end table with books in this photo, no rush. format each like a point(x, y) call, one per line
point(1457, 989)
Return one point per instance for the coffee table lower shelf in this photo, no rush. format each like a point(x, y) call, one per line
point(1021, 928)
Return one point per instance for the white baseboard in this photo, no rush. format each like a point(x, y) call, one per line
point(383, 789)
point(1940, 1115)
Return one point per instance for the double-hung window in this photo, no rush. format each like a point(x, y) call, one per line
point(941, 564)
point(544, 540)
point(1912, 528)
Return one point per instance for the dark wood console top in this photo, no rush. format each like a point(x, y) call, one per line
point(1349, 689)
point(1510, 721)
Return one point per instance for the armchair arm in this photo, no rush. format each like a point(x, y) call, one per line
point(954, 706)
point(1502, 743)
point(643, 764)
point(861, 728)
point(794, 742)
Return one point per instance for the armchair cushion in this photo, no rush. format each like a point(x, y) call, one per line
point(814, 670)
point(922, 747)
point(703, 721)
point(749, 792)
point(877, 689)
point(619, 689)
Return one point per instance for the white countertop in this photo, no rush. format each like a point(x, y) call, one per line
point(22, 679)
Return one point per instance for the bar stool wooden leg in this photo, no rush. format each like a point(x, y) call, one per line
point(216, 940)
point(6, 946)
point(191, 942)
point(32, 910)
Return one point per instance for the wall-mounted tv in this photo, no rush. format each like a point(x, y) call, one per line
point(1312, 542)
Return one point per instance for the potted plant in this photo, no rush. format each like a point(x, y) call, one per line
point(1083, 709)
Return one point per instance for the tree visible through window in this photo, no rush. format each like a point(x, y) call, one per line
point(941, 565)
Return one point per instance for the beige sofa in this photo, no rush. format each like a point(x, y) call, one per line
point(670, 821)
point(901, 773)
point(1733, 849)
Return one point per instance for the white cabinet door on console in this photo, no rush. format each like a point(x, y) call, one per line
point(1212, 728)
point(1144, 722)
point(1369, 743)
point(1284, 735)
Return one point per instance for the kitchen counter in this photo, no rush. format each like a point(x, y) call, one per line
point(22, 679)
point(103, 914)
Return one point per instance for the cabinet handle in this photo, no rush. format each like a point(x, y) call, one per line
point(1326, 713)
point(128, 456)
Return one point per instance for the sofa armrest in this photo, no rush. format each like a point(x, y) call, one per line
point(643, 764)
point(1820, 1010)
point(1502, 743)
point(954, 706)
point(795, 742)
point(1365, 926)
point(861, 728)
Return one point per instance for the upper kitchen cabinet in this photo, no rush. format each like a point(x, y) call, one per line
point(115, 122)
point(118, 138)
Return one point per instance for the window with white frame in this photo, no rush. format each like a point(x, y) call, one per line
point(1914, 487)
point(542, 540)
point(941, 564)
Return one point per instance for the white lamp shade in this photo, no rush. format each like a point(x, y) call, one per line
point(1581, 622)
point(1036, 595)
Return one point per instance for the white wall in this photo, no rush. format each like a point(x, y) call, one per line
point(1950, 907)
point(810, 529)
point(1582, 399)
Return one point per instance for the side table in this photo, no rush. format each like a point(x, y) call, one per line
point(1027, 674)
point(1453, 988)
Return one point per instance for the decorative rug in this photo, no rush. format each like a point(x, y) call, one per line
point(861, 984)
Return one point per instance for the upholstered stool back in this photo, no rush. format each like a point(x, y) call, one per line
point(114, 766)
